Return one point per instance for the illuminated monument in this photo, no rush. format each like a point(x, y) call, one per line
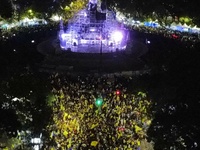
point(93, 30)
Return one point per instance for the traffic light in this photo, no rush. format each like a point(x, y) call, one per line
point(99, 102)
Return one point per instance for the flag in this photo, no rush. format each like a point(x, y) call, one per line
point(94, 143)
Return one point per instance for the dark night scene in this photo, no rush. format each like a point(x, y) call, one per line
point(99, 75)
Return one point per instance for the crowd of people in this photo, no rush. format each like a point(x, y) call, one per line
point(98, 112)
point(49, 28)
point(120, 122)
point(169, 33)
point(164, 31)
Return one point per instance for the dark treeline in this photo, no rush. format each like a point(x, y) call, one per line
point(136, 8)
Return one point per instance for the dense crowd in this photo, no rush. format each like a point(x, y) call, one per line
point(79, 122)
point(168, 33)
point(49, 28)
point(122, 120)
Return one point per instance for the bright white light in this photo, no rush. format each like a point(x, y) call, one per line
point(55, 18)
point(45, 22)
point(36, 140)
point(117, 36)
point(124, 47)
point(92, 29)
point(64, 36)
point(93, 1)
point(147, 41)
point(32, 41)
point(15, 99)
point(36, 147)
point(26, 20)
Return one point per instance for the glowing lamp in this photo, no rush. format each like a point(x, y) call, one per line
point(65, 35)
point(30, 11)
point(99, 102)
point(117, 36)
point(117, 92)
point(36, 140)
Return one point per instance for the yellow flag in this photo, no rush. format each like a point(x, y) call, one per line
point(94, 143)
point(94, 125)
point(65, 133)
point(137, 129)
point(91, 106)
point(138, 143)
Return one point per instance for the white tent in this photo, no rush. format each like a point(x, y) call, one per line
point(185, 27)
point(195, 29)
point(173, 26)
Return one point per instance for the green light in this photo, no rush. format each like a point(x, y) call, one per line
point(30, 11)
point(99, 102)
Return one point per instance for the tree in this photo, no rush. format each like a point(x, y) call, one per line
point(70, 9)
point(9, 143)
point(6, 10)
point(23, 105)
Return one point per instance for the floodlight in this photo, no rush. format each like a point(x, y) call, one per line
point(65, 35)
point(117, 36)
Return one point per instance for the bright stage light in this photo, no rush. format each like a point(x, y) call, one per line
point(36, 140)
point(117, 36)
point(30, 11)
point(65, 35)
point(93, 1)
